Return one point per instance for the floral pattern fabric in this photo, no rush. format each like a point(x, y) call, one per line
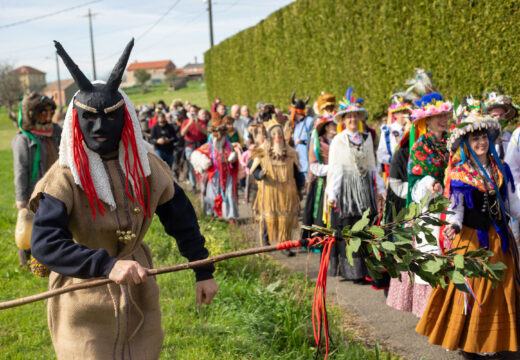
point(428, 156)
point(468, 175)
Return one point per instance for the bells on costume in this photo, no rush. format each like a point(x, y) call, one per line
point(125, 236)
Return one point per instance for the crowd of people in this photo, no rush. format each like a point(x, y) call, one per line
point(326, 164)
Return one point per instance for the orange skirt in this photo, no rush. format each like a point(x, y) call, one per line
point(492, 330)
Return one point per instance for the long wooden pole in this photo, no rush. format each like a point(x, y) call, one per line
point(162, 270)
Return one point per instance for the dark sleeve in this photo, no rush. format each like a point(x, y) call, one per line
point(171, 133)
point(180, 221)
point(154, 135)
point(299, 178)
point(398, 166)
point(256, 173)
point(52, 244)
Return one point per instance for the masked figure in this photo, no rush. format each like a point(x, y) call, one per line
point(275, 167)
point(35, 149)
point(216, 164)
point(92, 211)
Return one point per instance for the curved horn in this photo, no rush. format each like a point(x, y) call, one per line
point(114, 80)
point(292, 98)
point(80, 79)
point(308, 98)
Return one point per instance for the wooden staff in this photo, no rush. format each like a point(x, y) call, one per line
point(162, 270)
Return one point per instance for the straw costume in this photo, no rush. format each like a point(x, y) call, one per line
point(35, 149)
point(353, 182)
point(486, 321)
point(216, 165)
point(276, 169)
point(315, 204)
point(92, 210)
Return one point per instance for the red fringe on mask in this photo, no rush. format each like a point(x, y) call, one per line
point(135, 171)
point(82, 165)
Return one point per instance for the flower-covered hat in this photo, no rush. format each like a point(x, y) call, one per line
point(399, 104)
point(322, 122)
point(494, 99)
point(350, 104)
point(472, 119)
point(431, 105)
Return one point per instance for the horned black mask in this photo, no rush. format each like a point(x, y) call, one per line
point(99, 107)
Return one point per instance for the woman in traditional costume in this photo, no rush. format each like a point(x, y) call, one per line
point(323, 133)
point(35, 150)
point(353, 184)
point(275, 167)
point(426, 168)
point(391, 133)
point(92, 211)
point(216, 164)
point(481, 188)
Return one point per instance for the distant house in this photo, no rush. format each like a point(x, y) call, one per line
point(194, 71)
point(31, 79)
point(157, 69)
point(68, 89)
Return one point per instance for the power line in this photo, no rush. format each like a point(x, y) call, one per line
point(158, 20)
point(146, 31)
point(47, 15)
point(227, 8)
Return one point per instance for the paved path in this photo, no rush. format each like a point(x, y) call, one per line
point(368, 313)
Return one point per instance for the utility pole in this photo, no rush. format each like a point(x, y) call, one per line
point(210, 22)
point(60, 99)
point(89, 15)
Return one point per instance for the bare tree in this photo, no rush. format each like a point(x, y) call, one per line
point(10, 90)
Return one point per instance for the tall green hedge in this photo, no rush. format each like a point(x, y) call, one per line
point(327, 45)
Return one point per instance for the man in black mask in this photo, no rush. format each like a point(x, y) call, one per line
point(92, 211)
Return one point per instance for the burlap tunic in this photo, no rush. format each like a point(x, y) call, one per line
point(111, 321)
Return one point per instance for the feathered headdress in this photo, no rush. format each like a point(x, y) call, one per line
point(350, 104)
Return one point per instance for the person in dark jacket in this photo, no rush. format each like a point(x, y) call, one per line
point(163, 137)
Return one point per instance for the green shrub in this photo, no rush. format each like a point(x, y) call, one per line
point(327, 45)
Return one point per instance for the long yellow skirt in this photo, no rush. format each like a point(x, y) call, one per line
point(492, 330)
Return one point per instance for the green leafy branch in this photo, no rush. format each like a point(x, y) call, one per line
point(390, 247)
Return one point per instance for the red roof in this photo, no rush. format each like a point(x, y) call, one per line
point(163, 64)
point(24, 70)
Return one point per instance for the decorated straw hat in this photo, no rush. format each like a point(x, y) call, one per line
point(349, 104)
point(473, 119)
point(322, 122)
point(494, 99)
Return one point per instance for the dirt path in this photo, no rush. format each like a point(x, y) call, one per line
point(368, 315)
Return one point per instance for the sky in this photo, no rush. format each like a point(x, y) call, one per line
point(176, 30)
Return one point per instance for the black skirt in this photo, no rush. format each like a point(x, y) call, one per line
point(313, 211)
